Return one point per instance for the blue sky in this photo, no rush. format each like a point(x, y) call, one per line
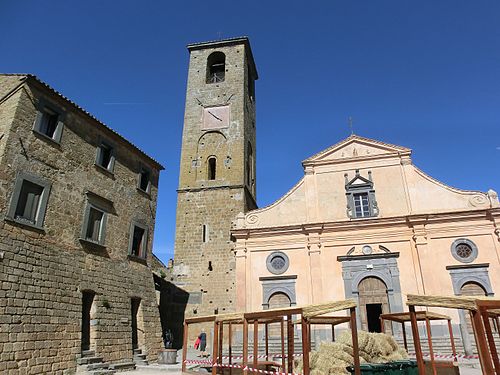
point(425, 75)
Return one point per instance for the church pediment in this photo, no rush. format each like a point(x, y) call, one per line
point(356, 147)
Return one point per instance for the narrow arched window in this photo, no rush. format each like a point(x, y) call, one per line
point(212, 167)
point(216, 67)
point(250, 166)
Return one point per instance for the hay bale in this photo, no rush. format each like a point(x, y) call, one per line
point(333, 357)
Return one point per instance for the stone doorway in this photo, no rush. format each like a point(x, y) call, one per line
point(137, 324)
point(88, 311)
point(276, 301)
point(471, 289)
point(373, 301)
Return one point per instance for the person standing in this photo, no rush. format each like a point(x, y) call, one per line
point(203, 343)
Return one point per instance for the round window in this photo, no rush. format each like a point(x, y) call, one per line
point(277, 262)
point(464, 250)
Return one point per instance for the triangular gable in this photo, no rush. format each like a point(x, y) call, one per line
point(356, 147)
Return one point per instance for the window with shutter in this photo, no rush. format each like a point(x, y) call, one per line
point(29, 200)
point(138, 240)
point(49, 121)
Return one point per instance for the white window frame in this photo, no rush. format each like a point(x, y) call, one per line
point(111, 165)
point(99, 204)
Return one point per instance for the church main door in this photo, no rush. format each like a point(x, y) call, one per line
point(276, 301)
point(373, 301)
point(471, 289)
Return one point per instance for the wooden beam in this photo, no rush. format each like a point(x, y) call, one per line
point(230, 346)
point(255, 344)
point(452, 340)
point(404, 336)
point(184, 347)
point(305, 347)
point(491, 340)
point(283, 363)
point(290, 342)
point(416, 340)
point(215, 347)
point(245, 346)
point(355, 345)
point(481, 344)
point(431, 351)
point(266, 334)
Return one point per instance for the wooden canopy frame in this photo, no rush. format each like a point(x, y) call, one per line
point(426, 316)
point(312, 314)
point(478, 308)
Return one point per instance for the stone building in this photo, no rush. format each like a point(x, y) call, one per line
point(217, 171)
point(365, 223)
point(78, 206)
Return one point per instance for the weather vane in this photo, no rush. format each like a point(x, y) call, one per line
point(349, 121)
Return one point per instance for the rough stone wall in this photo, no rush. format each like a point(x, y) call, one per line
point(206, 269)
point(43, 272)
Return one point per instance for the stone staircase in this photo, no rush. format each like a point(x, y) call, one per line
point(442, 345)
point(274, 345)
point(140, 358)
point(90, 364)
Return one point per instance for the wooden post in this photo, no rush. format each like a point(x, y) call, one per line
point(481, 344)
point(245, 346)
point(283, 363)
point(416, 340)
point(404, 336)
point(215, 347)
point(221, 339)
point(498, 325)
point(333, 333)
point(255, 344)
point(290, 341)
point(429, 339)
point(305, 346)
point(184, 347)
point(266, 334)
point(382, 327)
point(452, 340)
point(230, 348)
point(355, 346)
point(491, 340)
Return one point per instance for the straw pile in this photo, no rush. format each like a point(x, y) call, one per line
point(334, 357)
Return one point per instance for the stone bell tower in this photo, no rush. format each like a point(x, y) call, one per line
point(217, 171)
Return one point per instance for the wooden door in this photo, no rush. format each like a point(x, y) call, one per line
point(373, 301)
point(471, 289)
point(276, 301)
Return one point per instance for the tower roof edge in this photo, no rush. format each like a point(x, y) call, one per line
point(227, 42)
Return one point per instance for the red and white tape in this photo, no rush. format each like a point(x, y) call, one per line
point(438, 355)
point(259, 356)
point(251, 369)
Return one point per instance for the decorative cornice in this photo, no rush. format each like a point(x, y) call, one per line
point(343, 258)
point(467, 266)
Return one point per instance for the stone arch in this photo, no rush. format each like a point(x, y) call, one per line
point(373, 301)
point(216, 67)
point(212, 144)
point(276, 284)
point(468, 279)
point(371, 273)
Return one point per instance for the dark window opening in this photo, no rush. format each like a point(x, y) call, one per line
point(210, 268)
point(212, 166)
point(373, 312)
point(144, 180)
point(29, 201)
point(87, 300)
point(361, 205)
point(216, 67)
point(251, 86)
point(94, 225)
point(204, 235)
point(250, 174)
point(138, 242)
point(105, 155)
point(48, 123)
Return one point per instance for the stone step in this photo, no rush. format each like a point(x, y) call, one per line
point(96, 366)
point(101, 372)
point(121, 366)
point(137, 351)
point(141, 357)
point(88, 360)
point(88, 353)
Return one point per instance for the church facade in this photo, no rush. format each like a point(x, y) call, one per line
point(365, 223)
